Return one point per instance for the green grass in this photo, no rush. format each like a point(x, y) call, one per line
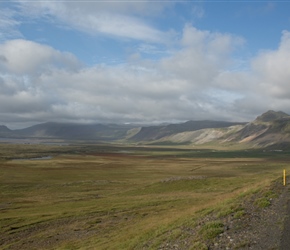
point(212, 229)
point(263, 202)
point(230, 207)
point(239, 214)
point(94, 197)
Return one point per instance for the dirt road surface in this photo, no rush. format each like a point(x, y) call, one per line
point(285, 241)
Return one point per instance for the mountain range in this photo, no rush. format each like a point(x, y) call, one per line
point(271, 129)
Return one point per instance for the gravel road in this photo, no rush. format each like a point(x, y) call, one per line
point(285, 241)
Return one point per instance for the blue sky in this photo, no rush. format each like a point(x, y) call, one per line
point(142, 61)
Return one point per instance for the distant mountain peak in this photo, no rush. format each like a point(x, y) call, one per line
point(4, 128)
point(271, 115)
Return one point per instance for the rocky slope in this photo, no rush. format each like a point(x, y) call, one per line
point(271, 130)
point(160, 132)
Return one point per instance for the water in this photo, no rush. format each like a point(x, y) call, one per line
point(33, 159)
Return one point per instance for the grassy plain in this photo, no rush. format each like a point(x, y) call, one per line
point(118, 197)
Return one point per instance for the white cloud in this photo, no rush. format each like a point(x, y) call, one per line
point(40, 83)
point(8, 25)
point(26, 57)
point(272, 69)
point(117, 19)
point(198, 11)
point(120, 26)
point(202, 57)
point(266, 84)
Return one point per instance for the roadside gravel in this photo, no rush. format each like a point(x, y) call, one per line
point(285, 241)
point(259, 222)
point(259, 228)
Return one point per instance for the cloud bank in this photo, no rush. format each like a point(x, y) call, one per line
point(195, 80)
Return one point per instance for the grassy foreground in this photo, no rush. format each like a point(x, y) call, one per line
point(99, 197)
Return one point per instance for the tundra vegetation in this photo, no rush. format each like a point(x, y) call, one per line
point(89, 196)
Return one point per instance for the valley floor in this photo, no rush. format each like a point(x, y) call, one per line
point(113, 197)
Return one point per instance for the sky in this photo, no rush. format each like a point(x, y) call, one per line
point(143, 62)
